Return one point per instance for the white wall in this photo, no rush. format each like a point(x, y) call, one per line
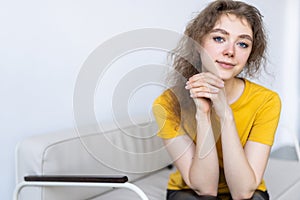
point(43, 45)
point(289, 75)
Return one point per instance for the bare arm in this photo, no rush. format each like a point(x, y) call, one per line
point(205, 162)
point(243, 168)
point(198, 164)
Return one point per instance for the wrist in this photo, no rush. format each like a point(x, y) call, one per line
point(201, 115)
point(227, 115)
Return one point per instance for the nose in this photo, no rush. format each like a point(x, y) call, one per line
point(229, 50)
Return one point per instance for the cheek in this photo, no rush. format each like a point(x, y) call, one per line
point(243, 57)
point(208, 53)
point(208, 61)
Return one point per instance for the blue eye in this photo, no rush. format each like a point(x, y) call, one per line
point(218, 39)
point(243, 45)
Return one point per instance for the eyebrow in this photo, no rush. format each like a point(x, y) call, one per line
point(224, 32)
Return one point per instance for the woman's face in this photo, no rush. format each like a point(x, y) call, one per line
point(227, 47)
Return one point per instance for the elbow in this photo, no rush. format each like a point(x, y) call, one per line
point(242, 195)
point(245, 192)
point(202, 189)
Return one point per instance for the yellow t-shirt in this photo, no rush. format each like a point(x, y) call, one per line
point(256, 115)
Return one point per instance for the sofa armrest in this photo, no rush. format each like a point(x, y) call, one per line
point(77, 178)
point(79, 181)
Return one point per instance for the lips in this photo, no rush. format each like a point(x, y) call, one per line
point(225, 65)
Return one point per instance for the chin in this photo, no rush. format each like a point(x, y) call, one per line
point(225, 76)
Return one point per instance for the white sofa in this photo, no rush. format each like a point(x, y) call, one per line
point(134, 151)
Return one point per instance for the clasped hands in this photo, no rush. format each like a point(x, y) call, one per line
point(207, 91)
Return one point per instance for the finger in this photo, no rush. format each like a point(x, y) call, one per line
point(208, 88)
point(202, 92)
point(204, 86)
point(206, 95)
point(207, 74)
point(206, 77)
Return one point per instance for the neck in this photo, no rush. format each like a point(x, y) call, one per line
point(234, 89)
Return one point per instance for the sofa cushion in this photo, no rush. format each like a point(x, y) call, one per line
point(283, 179)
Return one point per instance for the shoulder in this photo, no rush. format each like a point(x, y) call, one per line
point(166, 105)
point(261, 92)
point(261, 95)
point(165, 98)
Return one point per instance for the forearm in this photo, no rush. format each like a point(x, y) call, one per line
point(204, 172)
point(240, 177)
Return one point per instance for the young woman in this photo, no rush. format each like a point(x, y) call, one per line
point(218, 126)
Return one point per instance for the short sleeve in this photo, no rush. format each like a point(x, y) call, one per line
point(168, 123)
point(266, 120)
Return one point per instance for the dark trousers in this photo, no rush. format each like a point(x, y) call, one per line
point(191, 195)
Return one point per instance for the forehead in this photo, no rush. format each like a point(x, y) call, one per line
point(233, 24)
